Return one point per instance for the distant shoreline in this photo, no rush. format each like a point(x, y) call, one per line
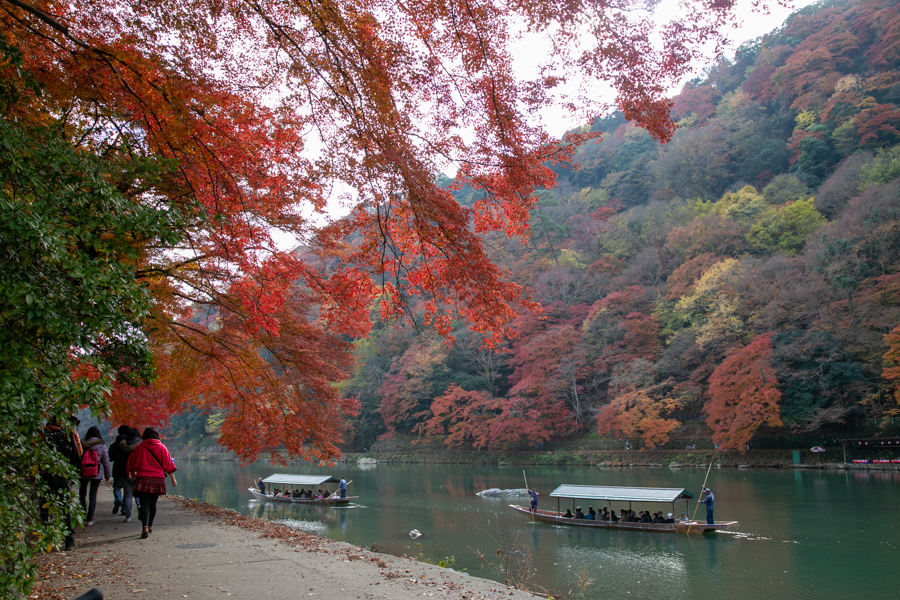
point(636, 459)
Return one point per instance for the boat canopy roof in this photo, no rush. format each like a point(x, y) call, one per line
point(628, 494)
point(287, 479)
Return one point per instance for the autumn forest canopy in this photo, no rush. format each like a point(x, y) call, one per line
point(729, 256)
point(742, 276)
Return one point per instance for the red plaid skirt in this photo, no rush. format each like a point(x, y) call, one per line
point(150, 485)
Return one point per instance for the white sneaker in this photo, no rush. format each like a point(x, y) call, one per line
point(128, 519)
point(89, 524)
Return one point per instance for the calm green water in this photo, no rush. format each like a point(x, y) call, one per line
point(802, 534)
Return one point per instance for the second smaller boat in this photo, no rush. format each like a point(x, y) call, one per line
point(300, 481)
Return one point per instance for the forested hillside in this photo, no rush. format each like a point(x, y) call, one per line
point(746, 274)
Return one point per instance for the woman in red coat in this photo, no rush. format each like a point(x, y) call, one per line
point(149, 464)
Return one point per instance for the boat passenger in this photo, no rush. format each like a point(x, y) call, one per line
point(579, 514)
point(631, 517)
point(295, 494)
point(568, 514)
point(613, 517)
point(656, 519)
point(592, 514)
point(683, 517)
point(605, 515)
point(287, 493)
point(670, 518)
point(319, 494)
point(645, 516)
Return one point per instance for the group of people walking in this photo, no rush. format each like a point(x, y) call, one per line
point(136, 463)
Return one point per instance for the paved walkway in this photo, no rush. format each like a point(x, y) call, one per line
point(204, 553)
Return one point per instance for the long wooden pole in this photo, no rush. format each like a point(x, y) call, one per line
point(529, 495)
point(697, 505)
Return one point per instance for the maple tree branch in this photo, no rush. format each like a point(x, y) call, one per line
point(46, 18)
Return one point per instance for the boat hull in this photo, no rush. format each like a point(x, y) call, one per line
point(327, 501)
point(546, 516)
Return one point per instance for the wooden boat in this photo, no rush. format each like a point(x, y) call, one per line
point(608, 495)
point(300, 481)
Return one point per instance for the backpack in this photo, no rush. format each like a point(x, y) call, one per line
point(90, 464)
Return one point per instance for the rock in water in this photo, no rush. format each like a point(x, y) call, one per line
point(365, 460)
point(498, 493)
point(415, 534)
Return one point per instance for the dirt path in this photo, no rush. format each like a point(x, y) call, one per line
point(203, 552)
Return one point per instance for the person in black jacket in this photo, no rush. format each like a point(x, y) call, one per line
point(120, 470)
point(58, 437)
point(118, 467)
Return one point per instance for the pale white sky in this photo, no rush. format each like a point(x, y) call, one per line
point(750, 25)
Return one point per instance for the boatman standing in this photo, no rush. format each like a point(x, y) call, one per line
point(343, 486)
point(261, 485)
point(709, 501)
point(534, 499)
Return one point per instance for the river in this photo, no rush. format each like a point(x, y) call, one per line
point(803, 534)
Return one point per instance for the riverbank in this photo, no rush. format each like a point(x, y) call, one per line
point(203, 552)
point(413, 454)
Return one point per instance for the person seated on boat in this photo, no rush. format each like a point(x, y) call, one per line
point(631, 518)
point(261, 485)
point(683, 517)
point(319, 494)
point(578, 513)
point(645, 516)
point(604, 515)
point(656, 518)
point(568, 514)
point(295, 494)
point(612, 516)
point(287, 493)
point(276, 492)
point(670, 518)
point(592, 514)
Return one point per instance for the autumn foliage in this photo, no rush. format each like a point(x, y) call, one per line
point(638, 414)
point(744, 394)
point(259, 111)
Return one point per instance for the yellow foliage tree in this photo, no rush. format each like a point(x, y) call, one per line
point(712, 305)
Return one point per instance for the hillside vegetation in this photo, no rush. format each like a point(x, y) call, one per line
point(746, 274)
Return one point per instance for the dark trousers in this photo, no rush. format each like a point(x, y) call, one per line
point(89, 504)
point(147, 509)
point(709, 518)
point(57, 494)
point(343, 493)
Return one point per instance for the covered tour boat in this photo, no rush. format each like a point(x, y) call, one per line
point(603, 495)
point(300, 481)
